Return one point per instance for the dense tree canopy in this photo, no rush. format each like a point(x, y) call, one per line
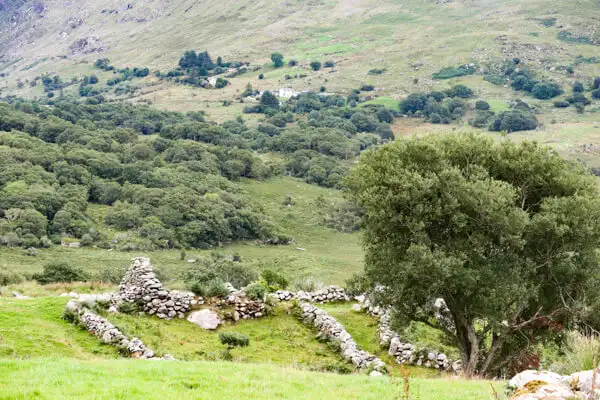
point(507, 234)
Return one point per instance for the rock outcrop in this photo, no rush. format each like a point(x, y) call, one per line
point(540, 385)
point(328, 327)
point(141, 286)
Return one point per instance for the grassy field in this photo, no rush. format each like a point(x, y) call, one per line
point(98, 380)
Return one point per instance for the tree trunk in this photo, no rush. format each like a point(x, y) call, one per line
point(468, 343)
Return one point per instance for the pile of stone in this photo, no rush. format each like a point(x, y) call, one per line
point(244, 308)
point(406, 353)
point(534, 385)
point(78, 310)
point(326, 295)
point(328, 327)
point(141, 286)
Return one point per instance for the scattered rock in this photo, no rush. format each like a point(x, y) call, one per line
point(205, 319)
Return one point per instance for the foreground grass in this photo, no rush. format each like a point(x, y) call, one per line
point(34, 328)
point(128, 379)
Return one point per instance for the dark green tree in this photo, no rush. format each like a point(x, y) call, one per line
point(277, 59)
point(506, 234)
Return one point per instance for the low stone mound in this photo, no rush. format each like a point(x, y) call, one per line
point(141, 286)
point(245, 308)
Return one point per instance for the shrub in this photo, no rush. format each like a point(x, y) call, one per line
point(357, 284)
point(377, 71)
point(292, 63)
point(453, 72)
point(307, 284)
point(482, 105)
point(461, 91)
point(234, 339)
point(367, 88)
point(596, 93)
point(256, 291)
point(561, 104)
point(581, 352)
point(546, 90)
point(128, 308)
point(277, 59)
point(315, 65)
point(60, 272)
point(329, 64)
point(111, 274)
point(512, 121)
point(274, 279)
point(579, 98)
point(211, 288)
point(578, 87)
point(10, 278)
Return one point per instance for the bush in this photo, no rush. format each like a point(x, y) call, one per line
point(377, 71)
point(581, 352)
point(482, 105)
point(60, 272)
point(308, 284)
point(578, 87)
point(315, 65)
point(561, 104)
point(367, 88)
point(546, 90)
point(256, 291)
point(596, 93)
point(112, 274)
point(453, 72)
point(329, 64)
point(461, 91)
point(357, 284)
point(234, 339)
point(128, 308)
point(274, 279)
point(512, 121)
point(212, 288)
point(10, 278)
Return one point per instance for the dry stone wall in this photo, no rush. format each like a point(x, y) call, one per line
point(79, 309)
point(141, 286)
point(244, 308)
point(406, 353)
point(326, 295)
point(333, 330)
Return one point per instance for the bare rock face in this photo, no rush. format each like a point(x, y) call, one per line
point(205, 319)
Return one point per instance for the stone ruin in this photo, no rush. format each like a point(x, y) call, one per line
point(536, 385)
point(141, 286)
point(333, 330)
point(244, 308)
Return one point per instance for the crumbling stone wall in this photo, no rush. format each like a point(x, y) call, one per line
point(80, 310)
point(141, 286)
point(330, 328)
point(326, 295)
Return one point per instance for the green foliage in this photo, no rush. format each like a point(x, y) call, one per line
point(513, 121)
point(234, 339)
point(214, 287)
point(60, 272)
point(482, 105)
point(578, 87)
point(461, 91)
point(10, 278)
point(221, 83)
point(580, 352)
point(570, 37)
point(562, 103)
point(256, 291)
point(546, 90)
point(128, 308)
point(480, 224)
point(274, 280)
point(377, 71)
point(222, 268)
point(357, 284)
point(277, 59)
point(315, 65)
point(454, 72)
